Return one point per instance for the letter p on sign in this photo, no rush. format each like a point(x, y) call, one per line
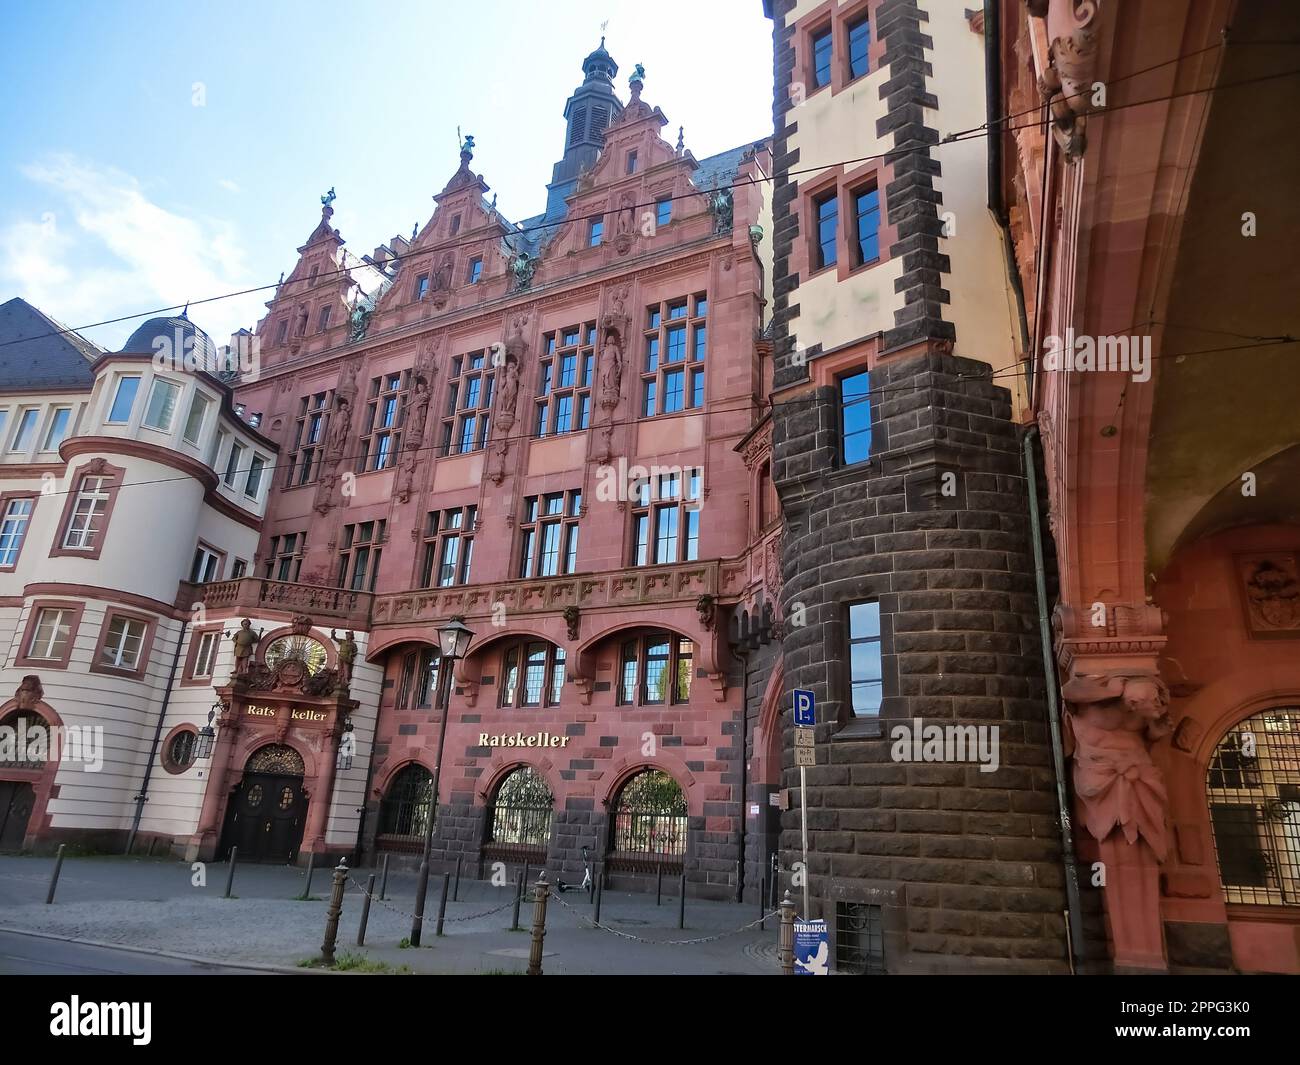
point(805, 711)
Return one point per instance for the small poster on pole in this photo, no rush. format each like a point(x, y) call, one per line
point(812, 949)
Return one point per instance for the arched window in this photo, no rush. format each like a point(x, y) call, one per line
point(276, 758)
point(649, 827)
point(519, 821)
point(404, 813)
point(656, 669)
point(24, 741)
point(417, 686)
point(1253, 788)
point(532, 674)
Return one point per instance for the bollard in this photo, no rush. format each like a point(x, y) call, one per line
point(421, 891)
point(762, 898)
point(600, 891)
point(540, 894)
point(442, 904)
point(774, 885)
point(383, 883)
point(785, 945)
point(152, 843)
point(526, 871)
point(519, 897)
point(659, 885)
point(681, 903)
point(311, 868)
point(54, 877)
point(365, 911)
point(334, 912)
point(455, 894)
point(230, 874)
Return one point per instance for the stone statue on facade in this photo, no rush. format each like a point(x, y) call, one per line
point(245, 641)
point(721, 205)
point(29, 692)
point(347, 657)
point(359, 322)
point(521, 271)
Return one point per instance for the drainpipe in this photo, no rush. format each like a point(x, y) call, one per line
point(992, 116)
point(365, 795)
point(143, 797)
point(1077, 952)
point(744, 774)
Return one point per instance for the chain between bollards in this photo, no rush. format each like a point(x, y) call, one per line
point(334, 912)
point(541, 893)
point(786, 942)
point(54, 877)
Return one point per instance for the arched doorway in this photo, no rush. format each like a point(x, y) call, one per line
point(24, 750)
point(268, 811)
point(649, 825)
point(519, 819)
point(404, 812)
point(1253, 790)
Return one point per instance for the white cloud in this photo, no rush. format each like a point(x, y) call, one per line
point(105, 249)
point(228, 185)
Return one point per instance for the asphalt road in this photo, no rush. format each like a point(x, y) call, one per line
point(35, 956)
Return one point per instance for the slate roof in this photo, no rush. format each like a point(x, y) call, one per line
point(719, 170)
point(36, 352)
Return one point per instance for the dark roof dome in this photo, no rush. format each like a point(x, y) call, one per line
point(600, 64)
point(176, 330)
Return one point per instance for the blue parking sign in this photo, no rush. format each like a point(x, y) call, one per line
point(805, 709)
point(812, 949)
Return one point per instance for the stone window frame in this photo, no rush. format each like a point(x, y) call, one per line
point(217, 553)
point(351, 551)
point(642, 639)
point(845, 184)
point(76, 608)
point(649, 500)
point(466, 369)
point(847, 725)
point(5, 499)
point(276, 557)
point(550, 390)
point(137, 671)
point(379, 396)
point(554, 659)
point(115, 475)
point(189, 678)
point(657, 324)
point(533, 524)
point(829, 15)
point(165, 751)
point(315, 408)
point(436, 531)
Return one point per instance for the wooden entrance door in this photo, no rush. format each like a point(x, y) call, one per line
point(267, 815)
point(17, 797)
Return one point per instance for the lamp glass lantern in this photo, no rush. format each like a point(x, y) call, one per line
point(206, 738)
point(454, 638)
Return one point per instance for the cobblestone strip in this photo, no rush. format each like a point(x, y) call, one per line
point(666, 942)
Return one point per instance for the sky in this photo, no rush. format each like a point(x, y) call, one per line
point(153, 153)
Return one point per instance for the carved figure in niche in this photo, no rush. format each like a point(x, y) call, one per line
point(1273, 592)
point(347, 657)
point(441, 280)
point(340, 428)
point(521, 270)
point(245, 641)
point(1111, 723)
point(611, 374)
point(623, 224)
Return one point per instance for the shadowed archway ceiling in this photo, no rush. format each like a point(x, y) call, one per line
point(1224, 414)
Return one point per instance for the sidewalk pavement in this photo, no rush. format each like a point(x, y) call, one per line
point(155, 904)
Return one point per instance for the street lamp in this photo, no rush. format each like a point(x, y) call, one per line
point(207, 736)
point(453, 642)
point(347, 746)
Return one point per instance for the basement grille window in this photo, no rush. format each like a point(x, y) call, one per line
point(859, 939)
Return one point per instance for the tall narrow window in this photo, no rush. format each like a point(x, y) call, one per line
point(50, 634)
point(663, 211)
point(655, 669)
point(58, 429)
point(564, 380)
point(469, 404)
point(631, 162)
point(821, 58)
point(123, 643)
point(676, 343)
point(448, 547)
point(595, 231)
point(206, 567)
point(385, 415)
point(549, 534)
point(855, 403)
point(308, 438)
point(360, 555)
point(532, 674)
point(123, 400)
point(475, 269)
point(666, 518)
point(284, 559)
point(827, 208)
point(253, 484)
point(421, 286)
point(13, 529)
point(233, 460)
point(205, 657)
point(88, 510)
point(199, 404)
point(323, 322)
point(864, 659)
point(859, 42)
point(162, 405)
point(866, 211)
point(26, 430)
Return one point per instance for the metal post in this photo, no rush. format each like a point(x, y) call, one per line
point(442, 903)
point(659, 885)
point(803, 828)
point(455, 895)
point(600, 891)
point(335, 911)
point(230, 874)
point(526, 871)
point(541, 892)
point(762, 898)
point(681, 903)
point(365, 911)
point(383, 883)
point(519, 897)
point(54, 877)
point(786, 942)
point(311, 868)
point(444, 683)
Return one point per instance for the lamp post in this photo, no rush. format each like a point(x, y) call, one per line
point(207, 735)
point(453, 641)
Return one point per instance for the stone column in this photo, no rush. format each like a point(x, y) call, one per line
point(203, 844)
point(322, 791)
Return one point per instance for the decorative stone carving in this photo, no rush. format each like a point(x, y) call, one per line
point(721, 205)
point(347, 657)
point(625, 224)
point(513, 351)
point(706, 607)
point(1271, 591)
point(300, 625)
point(415, 418)
point(572, 619)
point(29, 692)
point(521, 271)
point(1067, 83)
point(245, 641)
point(1110, 724)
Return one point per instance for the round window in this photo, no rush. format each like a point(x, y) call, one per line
point(181, 751)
